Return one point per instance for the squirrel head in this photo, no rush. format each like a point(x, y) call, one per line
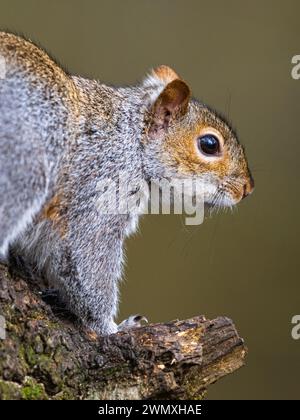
point(185, 138)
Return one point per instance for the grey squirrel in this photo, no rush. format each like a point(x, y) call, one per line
point(62, 134)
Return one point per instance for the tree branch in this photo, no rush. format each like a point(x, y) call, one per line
point(45, 356)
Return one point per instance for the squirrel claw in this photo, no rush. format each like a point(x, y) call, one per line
point(134, 321)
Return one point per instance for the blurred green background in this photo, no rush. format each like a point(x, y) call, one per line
point(236, 56)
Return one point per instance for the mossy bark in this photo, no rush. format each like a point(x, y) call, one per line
point(46, 356)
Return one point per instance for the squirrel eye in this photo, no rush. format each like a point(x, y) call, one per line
point(209, 144)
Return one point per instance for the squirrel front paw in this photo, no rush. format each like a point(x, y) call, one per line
point(134, 321)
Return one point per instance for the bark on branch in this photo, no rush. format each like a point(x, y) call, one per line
point(45, 356)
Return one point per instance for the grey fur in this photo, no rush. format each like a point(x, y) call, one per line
point(59, 136)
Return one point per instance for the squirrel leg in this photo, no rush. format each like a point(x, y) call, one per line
point(90, 293)
point(90, 269)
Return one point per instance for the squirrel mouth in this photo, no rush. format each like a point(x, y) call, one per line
point(231, 192)
point(224, 198)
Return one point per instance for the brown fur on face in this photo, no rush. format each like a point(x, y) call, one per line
point(177, 122)
point(230, 170)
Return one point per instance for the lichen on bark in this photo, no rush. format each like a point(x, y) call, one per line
point(47, 356)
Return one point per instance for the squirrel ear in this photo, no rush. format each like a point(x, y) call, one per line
point(171, 103)
point(164, 74)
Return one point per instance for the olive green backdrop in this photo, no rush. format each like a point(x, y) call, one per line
point(236, 55)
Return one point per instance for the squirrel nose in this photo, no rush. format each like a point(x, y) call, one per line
point(248, 187)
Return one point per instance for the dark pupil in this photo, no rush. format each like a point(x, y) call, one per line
point(209, 144)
